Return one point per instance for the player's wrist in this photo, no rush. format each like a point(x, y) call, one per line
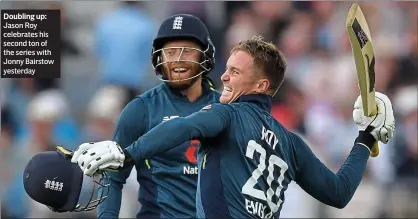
point(365, 138)
point(129, 161)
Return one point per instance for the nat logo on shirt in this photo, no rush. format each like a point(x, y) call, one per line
point(191, 156)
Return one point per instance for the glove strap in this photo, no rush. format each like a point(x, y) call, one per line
point(365, 138)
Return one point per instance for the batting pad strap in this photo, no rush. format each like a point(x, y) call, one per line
point(366, 139)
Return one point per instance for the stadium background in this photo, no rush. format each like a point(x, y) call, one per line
point(105, 61)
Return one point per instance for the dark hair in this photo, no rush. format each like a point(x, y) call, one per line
point(267, 59)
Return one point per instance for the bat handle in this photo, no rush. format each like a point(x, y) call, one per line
point(375, 147)
point(68, 154)
point(375, 150)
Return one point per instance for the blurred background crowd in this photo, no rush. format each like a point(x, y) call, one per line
point(105, 55)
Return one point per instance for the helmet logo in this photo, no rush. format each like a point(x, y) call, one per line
point(53, 185)
point(177, 23)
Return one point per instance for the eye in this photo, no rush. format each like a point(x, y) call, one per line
point(234, 71)
point(169, 51)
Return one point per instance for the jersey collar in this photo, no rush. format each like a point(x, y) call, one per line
point(261, 100)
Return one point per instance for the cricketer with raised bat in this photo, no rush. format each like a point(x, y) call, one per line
point(247, 159)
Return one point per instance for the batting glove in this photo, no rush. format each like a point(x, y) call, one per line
point(381, 125)
point(104, 155)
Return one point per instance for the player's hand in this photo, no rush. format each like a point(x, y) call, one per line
point(104, 155)
point(381, 125)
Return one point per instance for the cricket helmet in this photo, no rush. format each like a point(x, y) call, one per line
point(51, 179)
point(183, 27)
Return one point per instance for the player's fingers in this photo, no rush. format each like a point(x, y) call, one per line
point(381, 106)
point(105, 166)
point(384, 135)
point(110, 166)
point(102, 160)
point(91, 167)
point(385, 101)
point(358, 104)
point(80, 149)
point(87, 146)
point(383, 98)
point(390, 133)
point(358, 116)
point(90, 172)
point(382, 115)
point(391, 130)
point(117, 151)
point(89, 155)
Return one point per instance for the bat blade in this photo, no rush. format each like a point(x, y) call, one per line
point(362, 48)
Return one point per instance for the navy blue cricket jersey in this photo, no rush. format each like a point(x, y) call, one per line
point(247, 160)
point(168, 181)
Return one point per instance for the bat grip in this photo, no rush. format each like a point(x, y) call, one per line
point(68, 154)
point(374, 112)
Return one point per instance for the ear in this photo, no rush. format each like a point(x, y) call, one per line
point(262, 86)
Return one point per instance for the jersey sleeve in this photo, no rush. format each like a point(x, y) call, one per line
point(320, 182)
point(206, 123)
point(126, 131)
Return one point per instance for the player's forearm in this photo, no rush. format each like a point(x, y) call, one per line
point(161, 138)
point(173, 133)
point(110, 207)
point(344, 184)
point(337, 189)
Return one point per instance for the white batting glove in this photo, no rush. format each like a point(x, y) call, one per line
point(381, 125)
point(104, 155)
point(80, 149)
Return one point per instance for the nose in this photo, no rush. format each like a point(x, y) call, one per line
point(225, 76)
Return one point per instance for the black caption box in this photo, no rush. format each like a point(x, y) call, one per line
point(30, 44)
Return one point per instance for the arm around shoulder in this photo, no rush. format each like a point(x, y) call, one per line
point(210, 120)
point(206, 123)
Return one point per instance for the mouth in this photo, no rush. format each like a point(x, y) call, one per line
point(180, 70)
point(227, 89)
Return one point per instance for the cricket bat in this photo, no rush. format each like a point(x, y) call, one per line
point(362, 48)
